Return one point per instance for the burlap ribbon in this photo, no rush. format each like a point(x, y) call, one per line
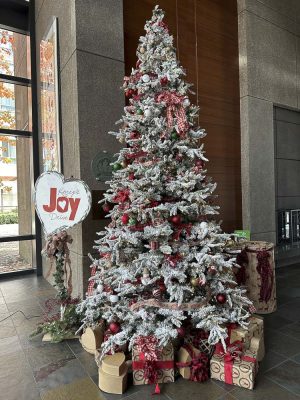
point(169, 306)
point(174, 104)
point(57, 246)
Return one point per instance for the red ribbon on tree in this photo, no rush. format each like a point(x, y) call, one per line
point(91, 281)
point(233, 352)
point(174, 103)
point(266, 273)
point(180, 228)
point(199, 365)
point(122, 196)
point(173, 259)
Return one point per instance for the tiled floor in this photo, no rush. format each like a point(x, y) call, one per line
point(31, 370)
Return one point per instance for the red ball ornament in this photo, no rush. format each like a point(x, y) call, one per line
point(181, 332)
point(176, 219)
point(199, 163)
point(131, 176)
point(162, 287)
point(106, 207)
point(221, 298)
point(179, 157)
point(114, 327)
point(125, 219)
point(129, 93)
point(164, 80)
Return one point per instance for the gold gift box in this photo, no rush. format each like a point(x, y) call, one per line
point(256, 330)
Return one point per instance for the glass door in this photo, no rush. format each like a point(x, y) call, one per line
point(17, 228)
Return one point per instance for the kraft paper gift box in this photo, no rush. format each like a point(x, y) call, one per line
point(113, 374)
point(234, 369)
point(255, 329)
point(192, 363)
point(163, 367)
point(92, 338)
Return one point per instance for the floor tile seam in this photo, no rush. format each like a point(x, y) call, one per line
point(284, 334)
point(225, 390)
point(291, 336)
point(282, 387)
point(275, 366)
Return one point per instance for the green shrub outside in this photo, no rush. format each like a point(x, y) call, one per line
point(8, 218)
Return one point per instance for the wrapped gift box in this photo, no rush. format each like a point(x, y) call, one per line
point(235, 367)
point(193, 364)
point(113, 373)
point(255, 329)
point(147, 370)
point(92, 338)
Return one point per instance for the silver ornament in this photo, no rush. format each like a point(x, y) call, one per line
point(186, 102)
point(147, 113)
point(146, 78)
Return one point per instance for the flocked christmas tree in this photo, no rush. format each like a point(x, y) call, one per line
point(162, 264)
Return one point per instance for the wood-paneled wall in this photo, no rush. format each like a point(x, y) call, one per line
point(206, 36)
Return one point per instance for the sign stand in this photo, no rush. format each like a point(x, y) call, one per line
point(60, 203)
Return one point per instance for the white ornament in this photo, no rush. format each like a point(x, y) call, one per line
point(146, 78)
point(186, 102)
point(147, 113)
point(113, 298)
point(203, 225)
point(100, 288)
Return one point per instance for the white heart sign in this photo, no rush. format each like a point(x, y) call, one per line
point(60, 203)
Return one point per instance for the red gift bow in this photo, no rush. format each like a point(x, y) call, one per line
point(266, 273)
point(174, 103)
point(147, 347)
point(233, 352)
point(199, 365)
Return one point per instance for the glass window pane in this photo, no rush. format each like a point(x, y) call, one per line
point(16, 256)
point(15, 107)
point(14, 54)
point(49, 100)
point(16, 208)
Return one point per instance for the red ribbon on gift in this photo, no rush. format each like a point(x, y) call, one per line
point(230, 327)
point(233, 352)
point(199, 365)
point(174, 103)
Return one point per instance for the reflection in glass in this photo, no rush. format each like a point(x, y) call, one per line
point(15, 186)
point(49, 100)
point(16, 256)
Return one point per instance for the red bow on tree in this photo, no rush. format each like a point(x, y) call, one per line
point(174, 103)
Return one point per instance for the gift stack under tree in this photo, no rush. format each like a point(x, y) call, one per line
point(162, 287)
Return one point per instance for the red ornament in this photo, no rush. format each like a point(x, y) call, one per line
point(114, 327)
point(179, 157)
point(176, 219)
point(131, 176)
point(181, 331)
point(134, 135)
point(162, 287)
point(106, 207)
point(125, 219)
point(129, 93)
point(212, 270)
point(164, 80)
point(199, 163)
point(221, 298)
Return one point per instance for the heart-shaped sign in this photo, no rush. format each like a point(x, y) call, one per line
point(60, 203)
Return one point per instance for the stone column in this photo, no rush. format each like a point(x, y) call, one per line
point(91, 73)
